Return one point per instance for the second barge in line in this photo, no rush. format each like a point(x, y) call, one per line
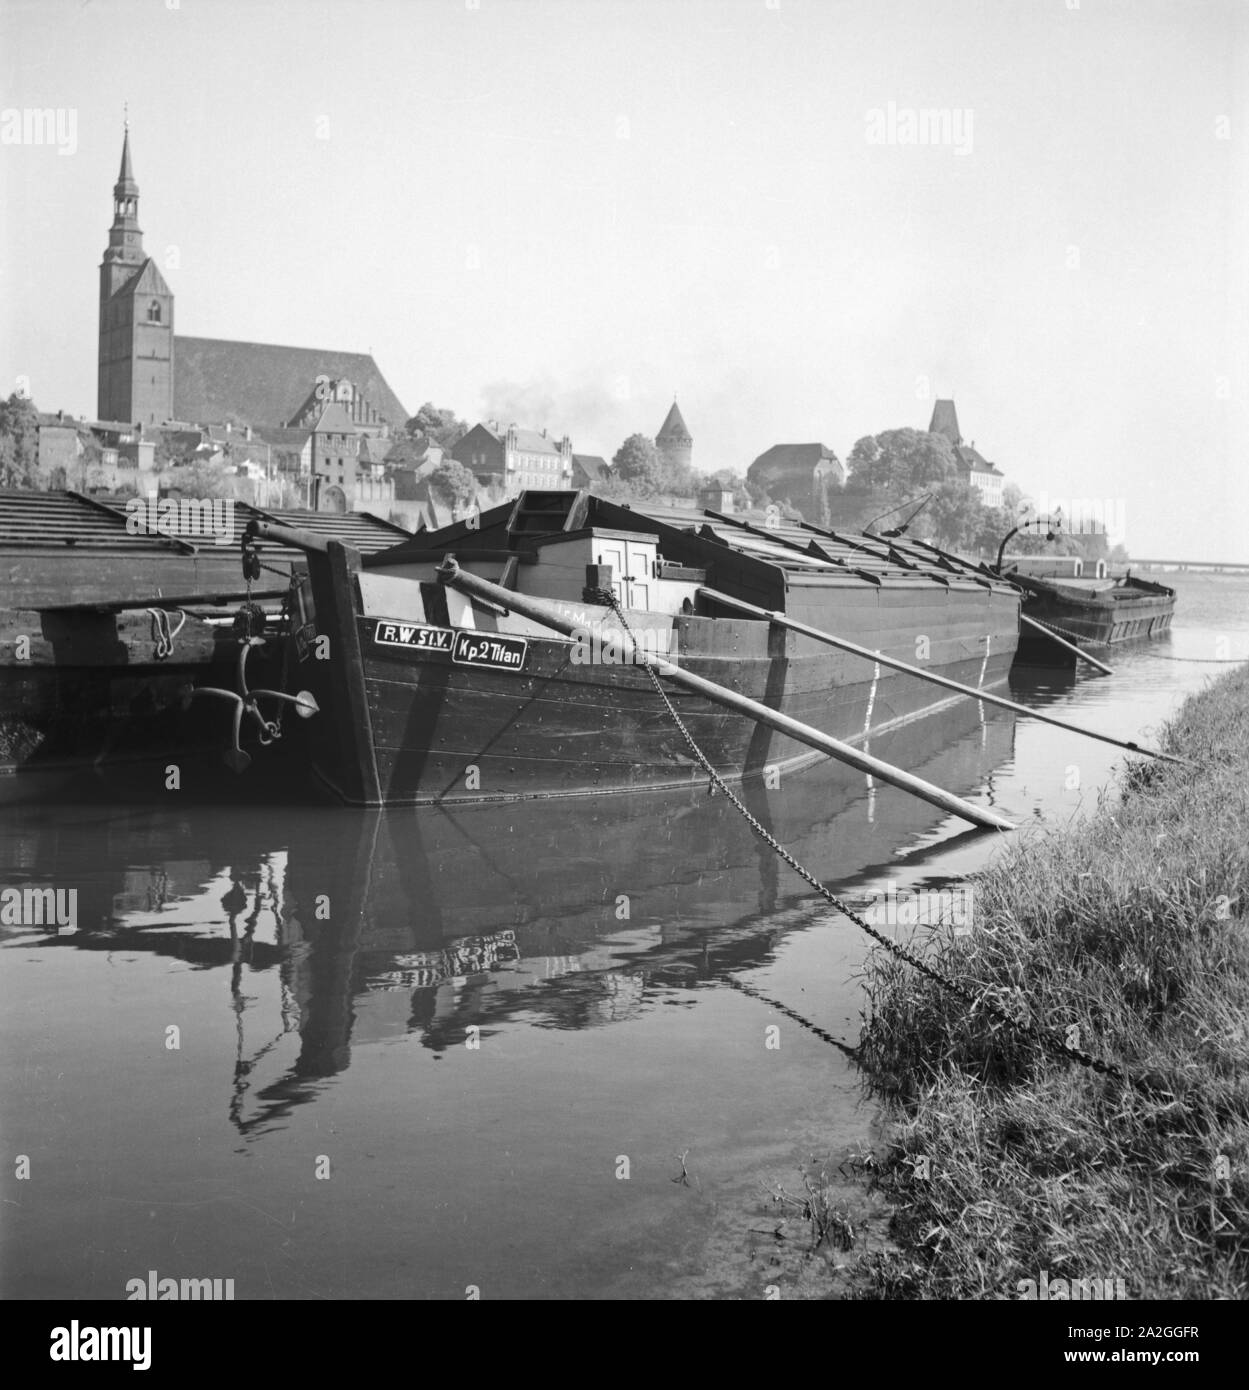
point(1094, 611)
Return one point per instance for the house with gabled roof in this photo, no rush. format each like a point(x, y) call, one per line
point(987, 478)
point(519, 458)
point(589, 469)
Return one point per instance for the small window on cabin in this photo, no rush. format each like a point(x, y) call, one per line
point(153, 312)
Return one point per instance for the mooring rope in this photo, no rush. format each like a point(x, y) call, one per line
point(1050, 1042)
point(163, 633)
point(1204, 660)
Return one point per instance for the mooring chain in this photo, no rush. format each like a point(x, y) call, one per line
point(1076, 637)
point(822, 1033)
point(1048, 1041)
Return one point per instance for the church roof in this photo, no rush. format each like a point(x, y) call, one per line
point(945, 421)
point(146, 280)
point(674, 426)
point(264, 384)
point(125, 177)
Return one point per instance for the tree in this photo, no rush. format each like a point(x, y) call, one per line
point(887, 471)
point(453, 484)
point(996, 523)
point(198, 479)
point(637, 463)
point(172, 454)
point(438, 424)
point(19, 442)
point(955, 517)
point(900, 463)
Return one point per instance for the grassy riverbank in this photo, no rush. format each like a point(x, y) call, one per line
point(1130, 925)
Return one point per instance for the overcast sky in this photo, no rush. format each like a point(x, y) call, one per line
point(563, 213)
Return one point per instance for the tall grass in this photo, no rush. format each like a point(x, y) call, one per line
point(1128, 926)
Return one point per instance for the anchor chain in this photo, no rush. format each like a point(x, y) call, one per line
point(248, 627)
point(1047, 1041)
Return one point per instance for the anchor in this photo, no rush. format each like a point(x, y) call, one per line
point(248, 624)
point(268, 730)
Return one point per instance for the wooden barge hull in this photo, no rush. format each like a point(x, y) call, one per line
point(86, 702)
point(560, 729)
point(408, 723)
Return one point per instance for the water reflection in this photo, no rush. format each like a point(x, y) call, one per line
point(450, 925)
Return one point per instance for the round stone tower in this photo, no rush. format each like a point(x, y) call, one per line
point(674, 441)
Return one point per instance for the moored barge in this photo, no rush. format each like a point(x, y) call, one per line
point(108, 621)
point(1093, 611)
point(429, 693)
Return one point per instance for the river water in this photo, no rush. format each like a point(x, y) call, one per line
point(530, 1051)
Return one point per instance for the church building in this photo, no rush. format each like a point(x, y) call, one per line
point(149, 376)
point(136, 355)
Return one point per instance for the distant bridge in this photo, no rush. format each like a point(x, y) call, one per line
point(1233, 566)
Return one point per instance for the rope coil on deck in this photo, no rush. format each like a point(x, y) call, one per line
point(1046, 1040)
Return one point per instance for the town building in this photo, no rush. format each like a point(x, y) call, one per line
point(716, 497)
point(984, 476)
point(519, 458)
point(799, 475)
point(588, 470)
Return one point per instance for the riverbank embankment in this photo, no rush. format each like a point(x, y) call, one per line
point(1124, 931)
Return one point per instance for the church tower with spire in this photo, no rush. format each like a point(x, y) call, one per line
point(674, 441)
point(135, 380)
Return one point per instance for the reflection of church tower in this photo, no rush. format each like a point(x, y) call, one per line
point(136, 317)
point(674, 441)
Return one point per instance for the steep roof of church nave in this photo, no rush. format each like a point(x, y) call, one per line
point(264, 383)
